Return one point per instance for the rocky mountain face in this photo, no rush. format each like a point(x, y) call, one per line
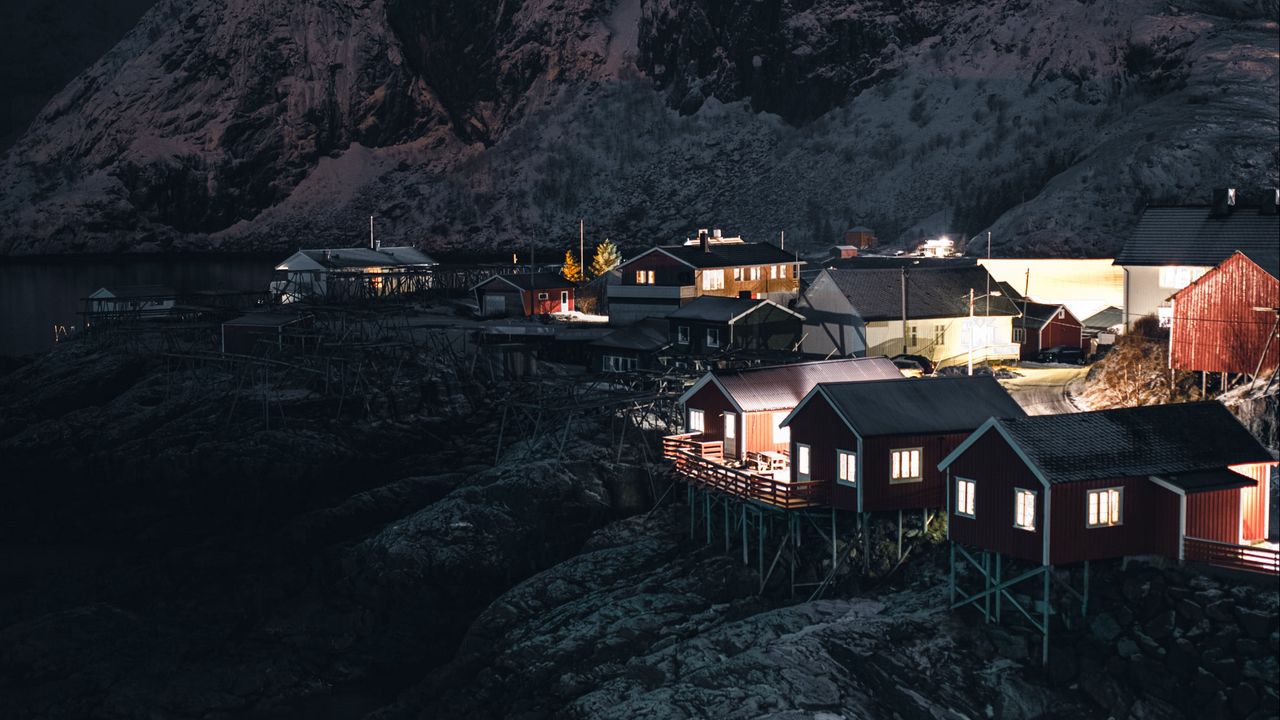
point(477, 126)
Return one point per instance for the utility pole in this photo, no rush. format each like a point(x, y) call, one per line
point(904, 309)
point(582, 244)
point(971, 330)
point(371, 245)
point(988, 274)
point(783, 239)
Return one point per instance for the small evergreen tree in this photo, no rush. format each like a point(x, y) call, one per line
point(606, 258)
point(572, 269)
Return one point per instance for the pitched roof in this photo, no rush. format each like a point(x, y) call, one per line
point(1266, 258)
point(363, 257)
point(135, 291)
point(712, 308)
point(919, 406)
point(781, 387)
point(1036, 315)
point(1191, 235)
point(729, 254)
point(874, 262)
point(1107, 317)
point(525, 281)
point(1208, 480)
point(1131, 442)
point(931, 293)
point(646, 335)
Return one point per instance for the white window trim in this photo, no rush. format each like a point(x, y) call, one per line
point(804, 460)
point(755, 272)
point(1119, 507)
point(737, 274)
point(700, 424)
point(713, 332)
point(713, 279)
point(1017, 493)
point(973, 506)
point(730, 426)
point(851, 464)
point(918, 477)
point(682, 334)
point(543, 296)
point(773, 272)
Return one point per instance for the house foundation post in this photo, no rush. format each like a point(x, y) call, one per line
point(1044, 648)
point(745, 559)
point(1084, 602)
point(899, 534)
point(999, 559)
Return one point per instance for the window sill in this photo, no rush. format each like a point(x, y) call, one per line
point(905, 481)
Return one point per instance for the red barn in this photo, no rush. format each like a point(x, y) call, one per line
point(743, 408)
point(526, 294)
point(878, 443)
point(1226, 320)
point(1061, 489)
point(1043, 326)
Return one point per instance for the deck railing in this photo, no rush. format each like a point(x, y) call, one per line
point(1230, 555)
point(709, 473)
point(690, 442)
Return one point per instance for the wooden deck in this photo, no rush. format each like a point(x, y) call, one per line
point(1237, 557)
point(702, 464)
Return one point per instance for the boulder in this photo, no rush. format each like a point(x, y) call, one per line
point(1244, 698)
point(1105, 627)
point(1189, 610)
point(1255, 623)
point(1205, 683)
point(1220, 610)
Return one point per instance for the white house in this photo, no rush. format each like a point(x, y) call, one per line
point(132, 300)
point(351, 273)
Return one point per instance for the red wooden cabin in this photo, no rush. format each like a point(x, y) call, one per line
point(526, 294)
point(1044, 326)
point(1225, 321)
point(743, 408)
point(1157, 480)
point(878, 444)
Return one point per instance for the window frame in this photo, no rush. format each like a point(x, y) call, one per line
point(1018, 494)
point(737, 274)
point(804, 462)
point(682, 334)
point(1119, 507)
point(1019, 335)
point(919, 466)
point(773, 272)
point(972, 513)
point(755, 272)
point(701, 425)
point(544, 296)
point(851, 464)
point(713, 279)
point(710, 332)
point(939, 334)
point(915, 337)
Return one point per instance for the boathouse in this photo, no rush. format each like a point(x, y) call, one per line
point(877, 444)
point(1226, 321)
point(527, 294)
point(130, 301)
point(1043, 326)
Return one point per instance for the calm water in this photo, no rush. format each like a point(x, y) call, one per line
point(38, 295)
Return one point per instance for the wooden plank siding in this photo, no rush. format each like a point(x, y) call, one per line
point(819, 427)
point(666, 270)
point(1254, 500)
point(879, 494)
point(1216, 329)
point(1148, 522)
point(759, 436)
point(1214, 515)
point(1065, 330)
point(714, 405)
point(996, 471)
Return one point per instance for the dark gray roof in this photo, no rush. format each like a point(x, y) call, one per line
point(361, 257)
point(920, 406)
point(1266, 258)
point(1190, 235)
point(1132, 442)
point(712, 308)
point(931, 293)
point(781, 387)
point(1036, 315)
point(140, 291)
point(1103, 319)
point(538, 281)
point(872, 262)
point(1208, 480)
point(731, 254)
point(647, 335)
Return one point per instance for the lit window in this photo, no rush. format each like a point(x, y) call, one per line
point(781, 433)
point(755, 273)
point(1024, 509)
point(773, 272)
point(1176, 277)
point(730, 426)
point(713, 338)
point(846, 467)
point(904, 465)
point(1104, 507)
point(713, 279)
point(802, 461)
point(697, 422)
point(682, 334)
point(964, 497)
point(782, 271)
point(737, 273)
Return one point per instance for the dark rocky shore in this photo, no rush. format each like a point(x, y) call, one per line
point(168, 551)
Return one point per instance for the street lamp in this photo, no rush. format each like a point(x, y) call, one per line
point(993, 293)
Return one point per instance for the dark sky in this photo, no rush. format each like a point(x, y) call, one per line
point(44, 44)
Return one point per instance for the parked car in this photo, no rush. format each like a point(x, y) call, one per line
point(1062, 354)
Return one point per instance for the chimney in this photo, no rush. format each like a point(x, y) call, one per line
point(1270, 201)
point(717, 234)
point(702, 240)
point(1224, 201)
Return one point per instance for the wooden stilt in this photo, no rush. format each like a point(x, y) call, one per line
point(899, 534)
point(999, 558)
point(1044, 651)
point(745, 559)
point(866, 544)
point(1084, 603)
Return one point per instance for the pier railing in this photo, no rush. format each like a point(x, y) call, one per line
point(708, 471)
point(1238, 557)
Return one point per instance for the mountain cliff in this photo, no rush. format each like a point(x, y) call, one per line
point(485, 125)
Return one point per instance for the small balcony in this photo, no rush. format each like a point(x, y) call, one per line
point(765, 478)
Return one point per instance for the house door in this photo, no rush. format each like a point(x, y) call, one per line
point(730, 435)
point(495, 305)
point(564, 301)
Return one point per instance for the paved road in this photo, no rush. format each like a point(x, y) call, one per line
point(1043, 390)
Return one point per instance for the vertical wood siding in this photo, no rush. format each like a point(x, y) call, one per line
point(818, 426)
point(1253, 500)
point(1216, 329)
point(879, 494)
point(1214, 515)
point(1065, 330)
point(996, 471)
point(1148, 522)
point(714, 404)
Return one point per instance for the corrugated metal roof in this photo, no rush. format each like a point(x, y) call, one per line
point(1192, 236)
point(538, 281)
point(782, 387)
point(730, 254)
point(931, 292)
point(360, 257)
point(1132, 442)
point(920, 406)
point(138, 291)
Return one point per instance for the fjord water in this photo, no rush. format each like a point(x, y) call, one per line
point(38, 295)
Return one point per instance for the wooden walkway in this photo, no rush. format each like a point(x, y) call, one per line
point(702, 464)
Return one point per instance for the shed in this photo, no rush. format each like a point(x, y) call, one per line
point(526, 294)
point(1061, 489)
point(254, 332)
point(878, 443)
point(632, 347)
point(131, 301)
point(743, 408)
point(1226, 321)
point(711, 324)
point(1044, 326)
